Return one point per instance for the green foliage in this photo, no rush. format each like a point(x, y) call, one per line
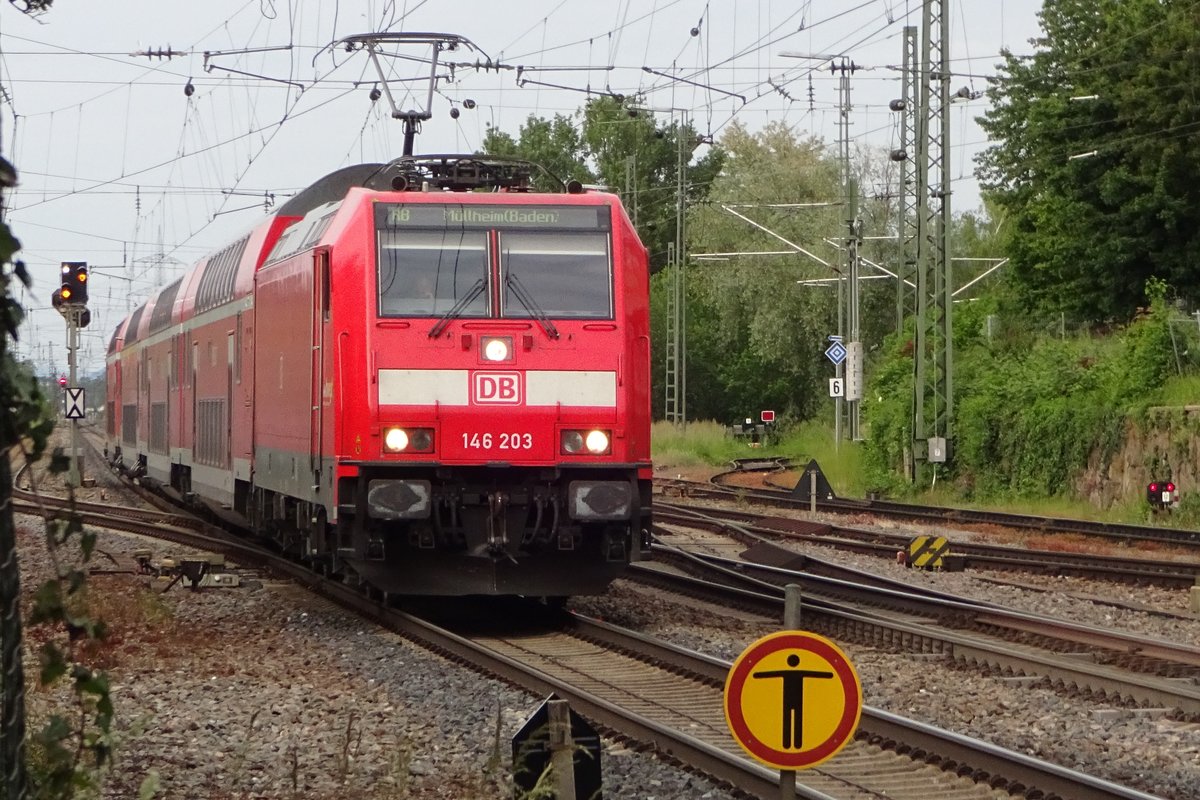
point(1085, 233)
point(754, 336)
point(597, 144)
point(1029, 412)
point(887, 413)
point(555, 144)
point(1181, 391)
point(842, 462)
point(1184, 515)
point(72, 745)
point(697, 443)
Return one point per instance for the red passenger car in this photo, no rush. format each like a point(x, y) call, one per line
point(422, 372)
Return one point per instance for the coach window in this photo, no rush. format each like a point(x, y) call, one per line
point(566, 274)
point(237, 351)
point(425, 273)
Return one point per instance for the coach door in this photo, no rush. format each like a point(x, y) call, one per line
point(320, 315)
point(230, 358)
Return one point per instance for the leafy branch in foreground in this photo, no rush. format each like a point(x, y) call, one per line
point(68, 751)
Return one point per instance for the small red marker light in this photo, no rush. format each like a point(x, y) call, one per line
point(1154, 487)
point(1170, 487)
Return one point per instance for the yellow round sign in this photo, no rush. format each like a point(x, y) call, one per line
point(792, 699)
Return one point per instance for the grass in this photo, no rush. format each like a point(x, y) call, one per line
point(710, 443)
point(1180, 391)
point(707, 443)
point(695, 444)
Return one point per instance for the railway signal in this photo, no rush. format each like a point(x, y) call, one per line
point(74, 283)
point(72, 295)
point(70, 300)
point(1161, 494)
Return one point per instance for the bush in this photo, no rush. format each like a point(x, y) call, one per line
point(1029, 413)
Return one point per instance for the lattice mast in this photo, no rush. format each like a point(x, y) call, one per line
point(934, 382)
point(906, 223)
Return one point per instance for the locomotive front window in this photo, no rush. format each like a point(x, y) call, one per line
point(562, 274)
point(425, 273)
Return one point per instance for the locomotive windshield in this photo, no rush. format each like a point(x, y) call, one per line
point(566, 273)
point(550, 261)
point(424, 273)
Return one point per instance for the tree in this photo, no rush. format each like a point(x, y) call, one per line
point(1093, 163)
point(596, 145)
point(25, 427)
point(762, 335)
point(21, 401)
point(554, 144)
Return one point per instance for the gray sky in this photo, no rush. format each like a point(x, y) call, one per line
point(122, 169)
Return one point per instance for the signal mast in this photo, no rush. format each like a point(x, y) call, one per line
point(70, 299)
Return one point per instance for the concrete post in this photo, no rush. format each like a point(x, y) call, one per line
point(562, 750)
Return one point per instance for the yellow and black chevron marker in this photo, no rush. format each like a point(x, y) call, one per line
point(928, 552)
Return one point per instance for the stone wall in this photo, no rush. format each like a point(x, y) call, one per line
point(1163, 446)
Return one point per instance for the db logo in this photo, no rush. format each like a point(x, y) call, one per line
point(497, 387)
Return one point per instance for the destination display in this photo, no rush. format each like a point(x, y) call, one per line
point(391, 216)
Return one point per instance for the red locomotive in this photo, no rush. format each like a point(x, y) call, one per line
point(420, 373)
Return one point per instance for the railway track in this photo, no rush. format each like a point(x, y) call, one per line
point(971, 555)
point(154, 522)
point(782, 496)
point(1103, 663)
point(654, 692)
point(657, 695)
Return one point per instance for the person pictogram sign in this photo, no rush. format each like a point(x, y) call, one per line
point(792, 699)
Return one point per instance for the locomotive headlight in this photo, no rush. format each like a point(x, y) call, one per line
point(496, 348)
point(572, 441)
point(407, 440)
point(597, 442)
point(395, 440)
point(421, 439)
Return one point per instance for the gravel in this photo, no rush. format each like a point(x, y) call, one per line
point(1143, 748)
point(267, 692)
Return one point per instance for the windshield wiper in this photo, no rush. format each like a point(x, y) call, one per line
point(457, 309)
point(531, 306)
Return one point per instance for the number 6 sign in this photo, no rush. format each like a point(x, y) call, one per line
point(836, 387)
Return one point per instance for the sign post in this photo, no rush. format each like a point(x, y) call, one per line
point(558, 740)
point(792, 700)
point(70, 299)
point(791, 621)
point(75, 473)
point(836, 353)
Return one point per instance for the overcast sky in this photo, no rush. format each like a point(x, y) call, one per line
point(120, 167)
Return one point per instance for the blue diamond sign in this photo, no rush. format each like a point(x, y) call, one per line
point(836, 353)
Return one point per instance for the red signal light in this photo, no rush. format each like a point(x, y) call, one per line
point(1170, 487)
point(1153, 487)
